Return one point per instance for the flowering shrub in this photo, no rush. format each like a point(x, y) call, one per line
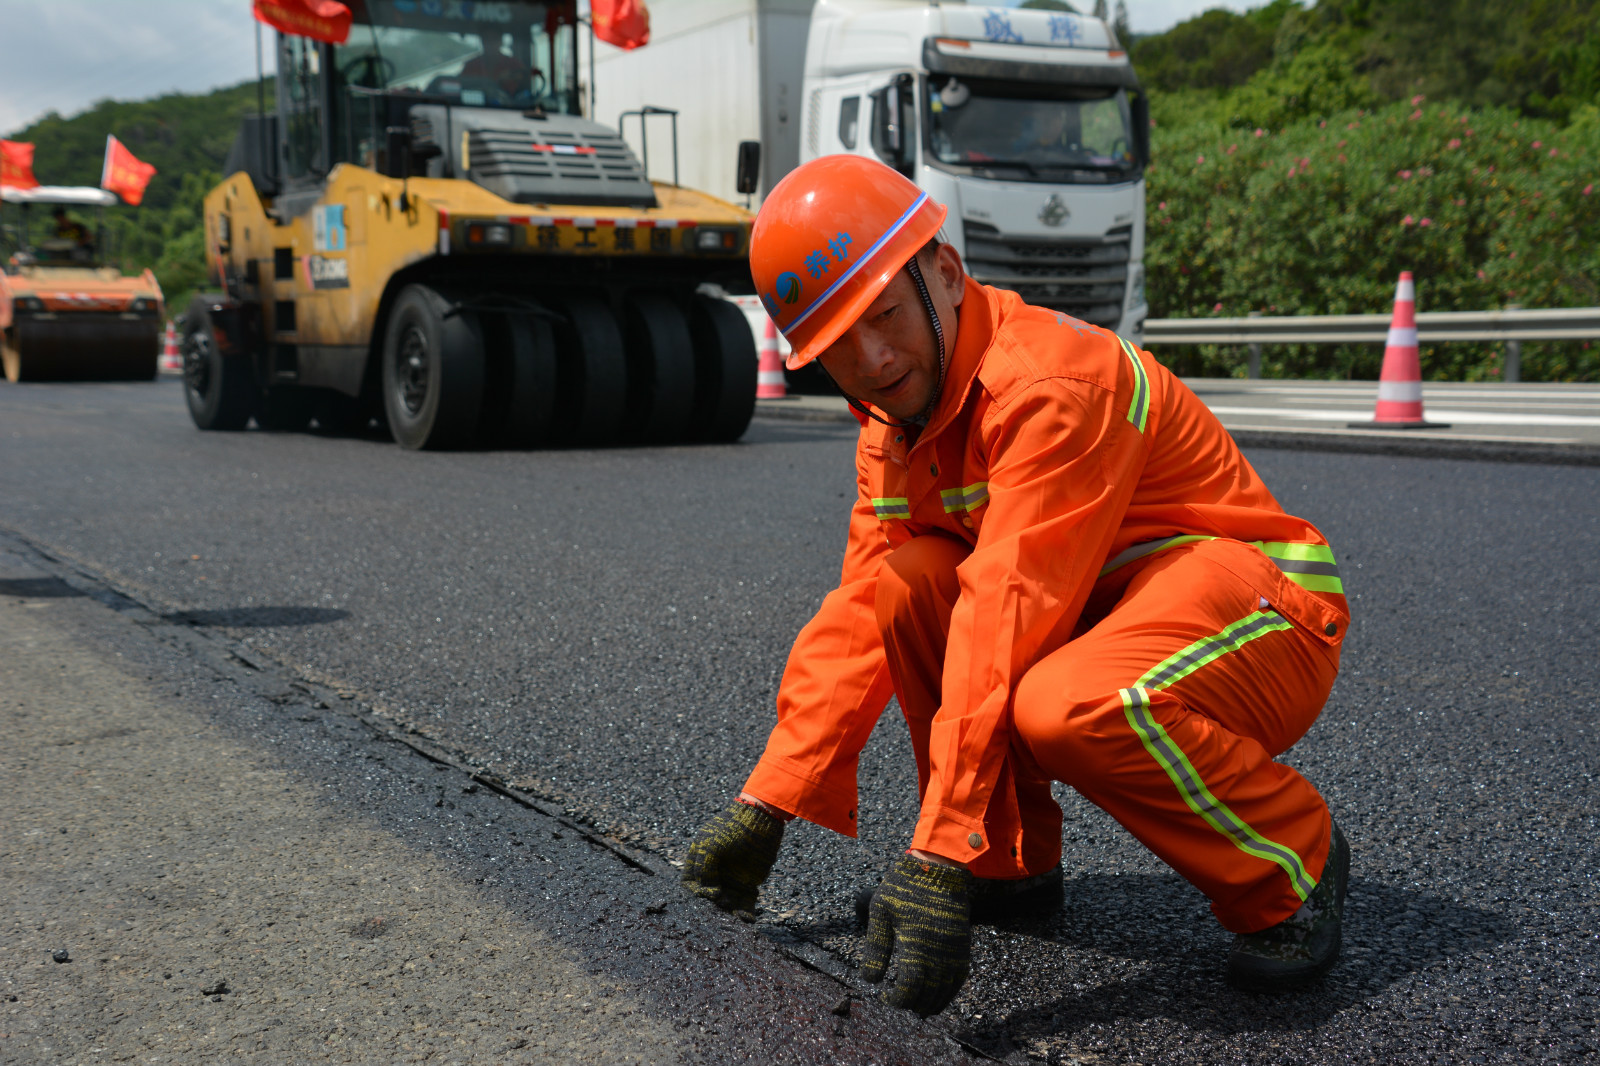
point(1486, 207)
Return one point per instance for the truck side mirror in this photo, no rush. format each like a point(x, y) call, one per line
point(749, 167)
point(893, 112)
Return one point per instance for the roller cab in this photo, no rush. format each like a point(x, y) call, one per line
point(65, 313)
point(430, 232)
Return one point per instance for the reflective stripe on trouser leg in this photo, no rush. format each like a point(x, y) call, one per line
point(1187, 780)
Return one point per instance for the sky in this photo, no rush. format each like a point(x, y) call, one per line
point(63, 55)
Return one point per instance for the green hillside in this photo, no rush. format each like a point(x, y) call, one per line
point(186, 137)
point(1306, 155)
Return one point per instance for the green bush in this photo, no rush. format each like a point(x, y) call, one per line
point(1487, 207)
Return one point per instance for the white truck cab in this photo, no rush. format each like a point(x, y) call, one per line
point(1028, 124)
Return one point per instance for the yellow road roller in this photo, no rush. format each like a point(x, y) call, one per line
point(430, 233)
point(66, 313)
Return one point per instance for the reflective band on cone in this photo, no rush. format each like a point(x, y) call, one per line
point(171, 361)
point(1400, 385)
point(770, 384)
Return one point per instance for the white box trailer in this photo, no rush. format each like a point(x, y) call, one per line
point(1030, 125)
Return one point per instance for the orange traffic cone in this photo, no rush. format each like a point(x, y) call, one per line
point(1400, 385)
point(770, 384)
point(171, 361)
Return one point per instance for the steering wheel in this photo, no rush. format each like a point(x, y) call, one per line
point(370, 64)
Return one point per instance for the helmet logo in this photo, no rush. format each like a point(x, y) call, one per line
point(1054, 212)
point(788, 286)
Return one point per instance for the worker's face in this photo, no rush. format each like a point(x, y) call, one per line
point(890, 356)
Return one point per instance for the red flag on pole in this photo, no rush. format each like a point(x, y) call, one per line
point(123, 173)
point(321, 20)
point(624, 23)
point(16, 165)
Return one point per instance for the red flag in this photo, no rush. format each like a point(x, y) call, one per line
point(16, 165)
point(123, 173)
point(624, 23)
point(321, 20)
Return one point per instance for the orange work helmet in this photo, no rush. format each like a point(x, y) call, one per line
point(828, 239)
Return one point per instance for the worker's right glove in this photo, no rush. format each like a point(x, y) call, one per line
point(732, 856)
point(920, 915)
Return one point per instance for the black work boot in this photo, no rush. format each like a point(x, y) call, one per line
point(996, 902)
point(1301, 948)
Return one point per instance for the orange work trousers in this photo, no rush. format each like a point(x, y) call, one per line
point(1165, 709)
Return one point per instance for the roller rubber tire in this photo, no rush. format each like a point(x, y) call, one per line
point(520, 396)
point(725, 371)
point(218, 386)
point(591, 373)
point(433, 372)
point(661, 365)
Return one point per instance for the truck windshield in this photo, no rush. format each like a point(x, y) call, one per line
point(997, 125)
point(504, 54)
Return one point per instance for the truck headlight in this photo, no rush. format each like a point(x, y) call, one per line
point(713, 239)
point(141, 306)
point(492, 233)
point(1136, 287)
point(27, 303)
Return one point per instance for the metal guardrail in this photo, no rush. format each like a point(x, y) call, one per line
point(1512, 325)
point(1560, 324)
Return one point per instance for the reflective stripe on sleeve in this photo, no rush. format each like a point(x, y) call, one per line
point(968, 498)
point(888, 508)
point(1139, 410)
point(1149, 547)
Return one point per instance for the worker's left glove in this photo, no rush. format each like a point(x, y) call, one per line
point(920, 916)
point(732, 856)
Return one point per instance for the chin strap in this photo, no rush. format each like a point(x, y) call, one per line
point(938, 336)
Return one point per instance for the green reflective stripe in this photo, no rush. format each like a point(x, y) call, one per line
point(1149, 547)
point(890, 507)
point(1311, 566)
point(1139, 410)
point(1159, 743)
point(1177, 667)
point(1316, 553)
point(967, 498)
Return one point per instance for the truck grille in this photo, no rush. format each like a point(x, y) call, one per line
point(1084, 278)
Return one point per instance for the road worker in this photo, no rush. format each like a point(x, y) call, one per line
point(1061, 564)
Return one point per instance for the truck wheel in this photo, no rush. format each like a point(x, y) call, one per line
point(432, 372)
point(286, 409)
point(725, 371)
point(217, 384)
point(520, 395)
point(660, 370)
point(591, 373)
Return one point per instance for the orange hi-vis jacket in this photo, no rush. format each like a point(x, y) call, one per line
point(1063, 456)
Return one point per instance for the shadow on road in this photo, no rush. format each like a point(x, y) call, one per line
point(259, 617)
point(36, 588)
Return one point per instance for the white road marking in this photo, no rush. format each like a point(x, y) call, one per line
point(1459, 417)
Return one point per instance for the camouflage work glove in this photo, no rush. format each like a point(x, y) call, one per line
point(920, 915)
point(732, 856)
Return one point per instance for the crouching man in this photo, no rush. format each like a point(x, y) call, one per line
point(1061, 564)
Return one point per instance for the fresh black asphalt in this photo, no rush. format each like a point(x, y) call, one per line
point(606, 629)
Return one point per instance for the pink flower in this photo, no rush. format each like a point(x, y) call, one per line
point(1538, 144)
point(1481, 275)
point(1260, 132)
point(1408, 220)
point(1589, 188)
point(1218, 306)
point(1552, 153)
point(1427, 222)
point(1416, 114)
point(1455, 142)
point(1199, 159)
point(1162, 205)
point(1417, 99)
point(1291, 172)
point(1341, 144)
point(1461, 203)
point(1232, 148)
point(1405, 175)
point(1342, 159)
point(1322, 125)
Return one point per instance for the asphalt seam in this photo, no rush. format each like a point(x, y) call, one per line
point(280, 683)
